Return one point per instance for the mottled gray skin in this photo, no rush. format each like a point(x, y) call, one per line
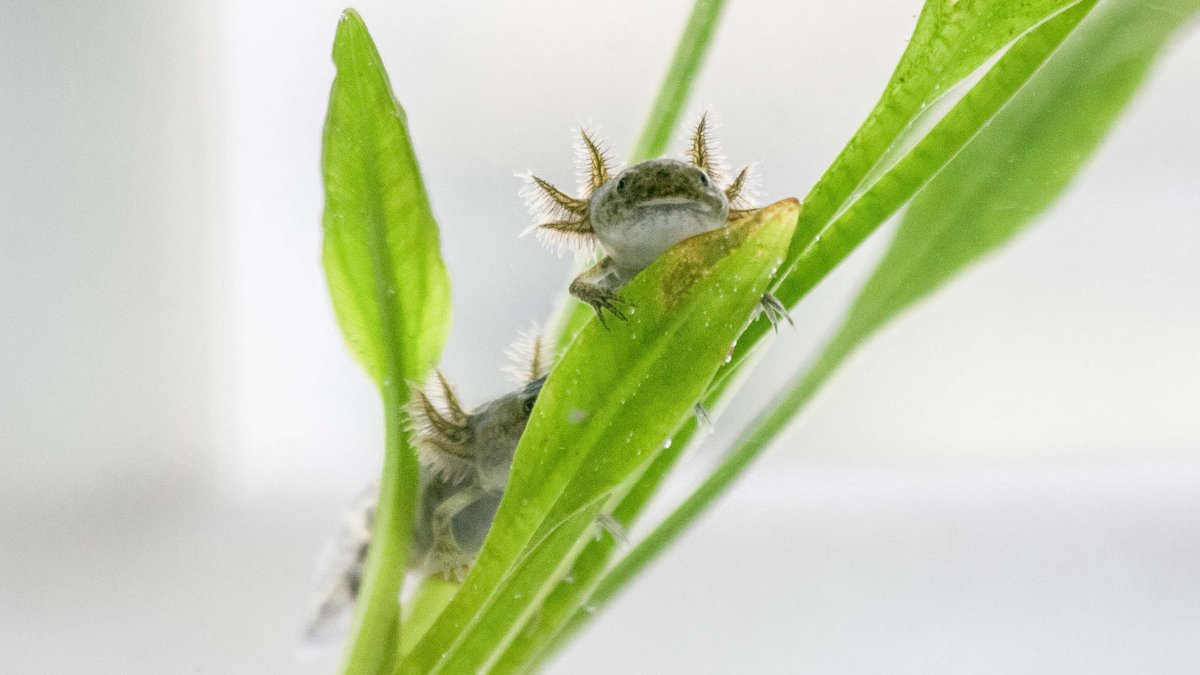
point(454, 514)
point(495, 429)
point(470, 526)
point(638, 215)
point(651, 206)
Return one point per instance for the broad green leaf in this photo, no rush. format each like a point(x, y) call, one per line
point(389, 286)
point(391, 296)
point(1003, 178)
point(557, 613)
point(611, 402)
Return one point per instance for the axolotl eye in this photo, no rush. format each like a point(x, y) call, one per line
point(621, 184)
point(704, 179)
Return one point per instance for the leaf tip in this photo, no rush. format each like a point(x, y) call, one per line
point(349, 15)
point(786, 210)
point(350, 25)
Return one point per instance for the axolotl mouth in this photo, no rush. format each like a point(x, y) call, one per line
point(655, 225)
point(672, 203)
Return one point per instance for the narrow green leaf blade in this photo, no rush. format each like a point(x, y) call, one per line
point(677, 84)
point(867, 210)
point(944, 141)
point(613, 399)
point(952, 39)
point(859, 191)
point(391, 296)
point(1020, 163)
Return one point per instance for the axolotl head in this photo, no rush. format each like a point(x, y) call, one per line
point(495, 428)
point(651, 206)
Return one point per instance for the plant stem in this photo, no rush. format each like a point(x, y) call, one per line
point(375, 635)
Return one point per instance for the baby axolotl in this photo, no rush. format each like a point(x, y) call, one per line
point(638, 213)
point(466, 457)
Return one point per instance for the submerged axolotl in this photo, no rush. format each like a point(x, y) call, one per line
point(639, 213)
point(465, 458)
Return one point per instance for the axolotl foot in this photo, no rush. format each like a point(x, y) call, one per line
point(449, 562)
point(774, 310)
point(601, 299)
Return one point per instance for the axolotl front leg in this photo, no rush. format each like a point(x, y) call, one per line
point(597, 287)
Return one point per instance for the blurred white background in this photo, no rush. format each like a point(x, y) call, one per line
point(1007, 480)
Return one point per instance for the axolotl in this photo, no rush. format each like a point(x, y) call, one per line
point(638, 213)
point(466, 457)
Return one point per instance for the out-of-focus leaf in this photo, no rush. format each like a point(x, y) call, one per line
point(677, 84)
point(391, 296)
point(611, 402)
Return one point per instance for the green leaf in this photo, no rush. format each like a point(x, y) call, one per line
point(1003, 178)
point(611, 402)
point(952, 39)
point(893, 154)
point(391, 295)
point(556, 619)
point(390, 290)
point(1020, 163)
